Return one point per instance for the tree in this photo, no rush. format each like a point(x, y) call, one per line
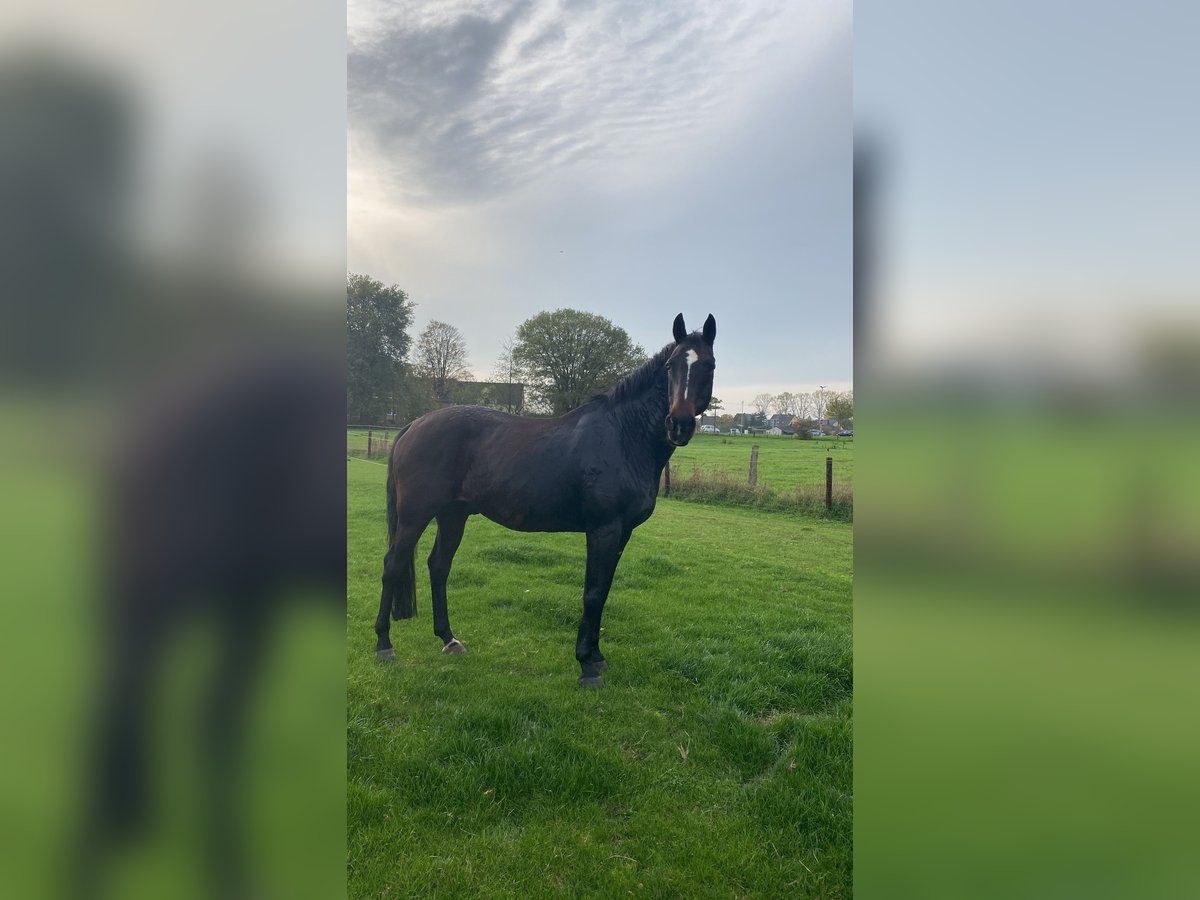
point(797, 406)
point(804, 405)
point(377, 344)
point(441, 358)
point(821, 398)
point(714, 406)
point(803, 427)
point(508, 372)
point(568, 356)
point(793, 405)
point(841, 407)
point(762, 405)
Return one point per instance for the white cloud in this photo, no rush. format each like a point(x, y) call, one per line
point(462, 101)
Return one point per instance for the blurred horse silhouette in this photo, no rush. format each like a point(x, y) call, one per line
point(226, 499)
point(227, 490)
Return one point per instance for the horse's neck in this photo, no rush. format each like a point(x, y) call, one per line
point(643, 416)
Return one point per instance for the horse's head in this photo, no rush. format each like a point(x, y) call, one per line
point(689, 378)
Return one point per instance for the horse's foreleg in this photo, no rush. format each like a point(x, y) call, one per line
point(451, 522)
point(245, 643)
point(597, 658)
point(604, 547)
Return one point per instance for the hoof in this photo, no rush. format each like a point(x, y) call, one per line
point(601, 665)
point(389, 653)
point(594, 682)
point(455, 646)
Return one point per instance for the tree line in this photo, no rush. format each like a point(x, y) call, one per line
point(804, 410)
point(558, 359)
point(817, 405)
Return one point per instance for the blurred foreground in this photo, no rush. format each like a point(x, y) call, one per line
point(1027, 580)
point(171, 402)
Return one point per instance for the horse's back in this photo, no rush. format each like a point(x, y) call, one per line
point(518, 471)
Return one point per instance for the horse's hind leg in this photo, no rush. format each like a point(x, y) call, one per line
point(451, 522)
point(398, 597)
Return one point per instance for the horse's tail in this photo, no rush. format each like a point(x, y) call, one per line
point(391, 488)
point(404, 584)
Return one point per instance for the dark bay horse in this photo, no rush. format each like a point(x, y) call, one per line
point(595, 469)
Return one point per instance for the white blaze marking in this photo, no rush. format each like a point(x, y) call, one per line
point(692, 356)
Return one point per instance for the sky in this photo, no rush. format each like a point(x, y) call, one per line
point(629, 159)
point(1038, 176)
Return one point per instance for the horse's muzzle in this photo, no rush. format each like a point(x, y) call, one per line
point(680, 430)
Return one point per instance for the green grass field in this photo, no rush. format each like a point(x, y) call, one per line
point(356, 439)
point(717, 762)
point(783, 462)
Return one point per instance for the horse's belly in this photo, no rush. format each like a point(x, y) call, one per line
point(530, 520)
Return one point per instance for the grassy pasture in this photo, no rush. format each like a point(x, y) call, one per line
point(717, 762)
point(783, 462)
point(356, 438)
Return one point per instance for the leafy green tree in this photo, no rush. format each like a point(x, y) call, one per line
point(841, 407)
point(568, 356)
point(715, 405)
point(803, 426)
point(377, 344)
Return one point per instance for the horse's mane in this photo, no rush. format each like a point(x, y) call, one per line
point(641, 378)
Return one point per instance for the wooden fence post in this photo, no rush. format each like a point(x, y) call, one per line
point(754, 465)
point(667, 487)
point(369, 439)
point(829, 484)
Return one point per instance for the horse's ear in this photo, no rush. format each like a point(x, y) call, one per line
point(710, 329)
point(679, 329)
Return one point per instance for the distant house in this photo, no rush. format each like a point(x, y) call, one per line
point(777, 431)
point(779, 420)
